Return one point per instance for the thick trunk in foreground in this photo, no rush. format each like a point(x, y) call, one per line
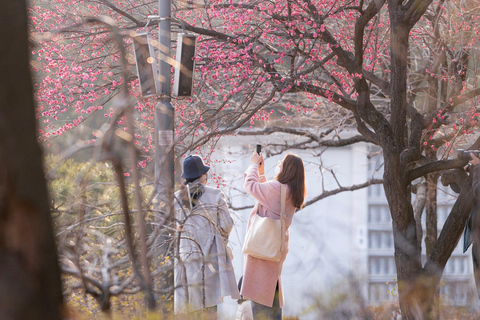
point(430, 239)
point(417, 285)
point(30, 285)
point(431, 213)
point(416, 290)
point(407, 253)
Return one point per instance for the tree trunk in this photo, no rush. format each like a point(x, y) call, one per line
point(30, 286)
point(431, 226)
point(430, 239)
point(431, 213)
point(416, 289)
point(407, 253)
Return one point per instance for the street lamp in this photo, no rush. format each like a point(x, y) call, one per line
point(153, 83)
point(145, 62)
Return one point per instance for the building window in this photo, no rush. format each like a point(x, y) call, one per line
point(379, 214)
point(382, 265)
point(455, 291)
point(381, 291)
point(457, 266)
point(380, 239)
point(376, 191)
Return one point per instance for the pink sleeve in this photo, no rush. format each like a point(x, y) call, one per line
point(252, 185)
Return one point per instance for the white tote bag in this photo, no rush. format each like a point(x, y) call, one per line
point(266, 237)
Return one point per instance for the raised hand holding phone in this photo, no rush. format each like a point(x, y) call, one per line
point(258, 159)
point(261, 165)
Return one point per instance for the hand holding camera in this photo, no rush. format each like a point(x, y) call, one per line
point(475, 158)
point(466, 154)
point(472, 155)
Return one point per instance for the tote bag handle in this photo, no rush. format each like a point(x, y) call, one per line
point(283, 216)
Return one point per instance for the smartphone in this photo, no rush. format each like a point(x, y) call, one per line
point(259, 148)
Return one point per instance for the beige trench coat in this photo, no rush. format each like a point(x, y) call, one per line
point(203, 268)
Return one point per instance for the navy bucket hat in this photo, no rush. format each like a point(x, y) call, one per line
point(193, 167)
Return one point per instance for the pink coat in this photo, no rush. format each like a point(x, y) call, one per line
point(260, 276)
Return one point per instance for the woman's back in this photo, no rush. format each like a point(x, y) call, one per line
point(204, 271)
point(261, 278)
point(268, 195)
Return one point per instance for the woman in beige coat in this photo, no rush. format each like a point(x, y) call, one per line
point(203, 266)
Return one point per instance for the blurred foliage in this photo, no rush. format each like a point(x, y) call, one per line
point(83, 307)
point(343, 300)
point(391, 311)
point(90, 189)
point(87, 186)
point(90, 230)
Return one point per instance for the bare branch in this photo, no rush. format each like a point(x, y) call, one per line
point(122, 12)
point(342, 189)
point(434, 167)
point(304, 133)
point(451, 231)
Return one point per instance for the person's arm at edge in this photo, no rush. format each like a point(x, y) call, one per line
point(476, 175)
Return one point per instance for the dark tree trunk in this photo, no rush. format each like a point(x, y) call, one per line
point(431, 213)
point(431, 223)
point(431, 153)
point(430, 240)
point(30, 285)
point(407, 251)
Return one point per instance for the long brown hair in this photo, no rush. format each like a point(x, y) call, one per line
point(293, 175)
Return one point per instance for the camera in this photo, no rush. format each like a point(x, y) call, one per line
point(465, 154)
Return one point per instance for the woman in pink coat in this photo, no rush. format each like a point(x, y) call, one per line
point(261, 278)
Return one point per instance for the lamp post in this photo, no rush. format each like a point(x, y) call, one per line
point(164, 115)
point(164, 126)
point(164, 112)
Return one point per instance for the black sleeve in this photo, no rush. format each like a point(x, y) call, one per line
point(476, 181)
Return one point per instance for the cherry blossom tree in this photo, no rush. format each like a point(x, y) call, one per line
point(400, 69)
point(403, 74)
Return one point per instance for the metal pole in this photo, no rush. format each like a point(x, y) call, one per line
point(164, 112)
point(164, 134)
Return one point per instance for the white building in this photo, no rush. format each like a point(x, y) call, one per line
point(348, 234)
